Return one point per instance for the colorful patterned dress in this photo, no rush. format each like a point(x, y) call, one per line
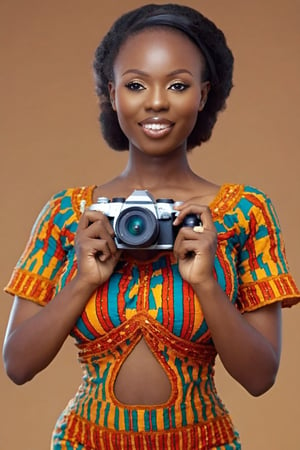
point(150, 300)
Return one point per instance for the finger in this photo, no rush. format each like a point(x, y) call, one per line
point(99, 231)
point(185, 249)
point(106, 254)
point(95, 225)
point(201, 210)
point(89, 217)
point(83, 222)
point(185, 234)
point(97, 248)
point(193, 241)
point(190, 248)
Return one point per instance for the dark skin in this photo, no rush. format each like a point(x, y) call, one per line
point(157, 92)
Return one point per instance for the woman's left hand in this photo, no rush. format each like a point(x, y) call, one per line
point(195, 248)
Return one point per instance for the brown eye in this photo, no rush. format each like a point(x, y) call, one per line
point(179, 86)
point(135, 86)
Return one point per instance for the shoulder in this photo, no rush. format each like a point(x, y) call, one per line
point(74, 198)
point(244, 208)
point(74, 195)
point(255, 207)
point(252, 197)
point(64, 207)
point(233, 198)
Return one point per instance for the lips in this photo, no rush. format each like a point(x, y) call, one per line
point(156, 127)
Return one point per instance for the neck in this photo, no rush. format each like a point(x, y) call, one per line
point(147, 172)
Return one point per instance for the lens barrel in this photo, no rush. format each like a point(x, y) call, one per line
point(137, 227)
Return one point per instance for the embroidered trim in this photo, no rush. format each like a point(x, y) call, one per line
point(143, 323)
point(30, 286)
point(264, 292)
point(202, 436)
point(83, 193)
point(228, 195)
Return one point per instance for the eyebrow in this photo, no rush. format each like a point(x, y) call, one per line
point(145, 74)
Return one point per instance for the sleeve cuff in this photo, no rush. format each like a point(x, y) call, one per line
point(265, 292)
point(30, 286)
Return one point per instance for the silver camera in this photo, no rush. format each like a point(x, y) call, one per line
point(141, 222)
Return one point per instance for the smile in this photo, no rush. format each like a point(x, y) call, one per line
point(156, 128)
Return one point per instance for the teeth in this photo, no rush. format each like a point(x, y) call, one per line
point(155, 126)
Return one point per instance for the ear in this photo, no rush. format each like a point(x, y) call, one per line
point(112, 94)
point(205, 88)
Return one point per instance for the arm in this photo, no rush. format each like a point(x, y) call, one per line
point(248, 344)
point(35, 334)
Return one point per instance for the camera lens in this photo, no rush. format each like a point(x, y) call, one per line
point(137, 227)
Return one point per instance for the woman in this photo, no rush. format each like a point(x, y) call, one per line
point(148, 322)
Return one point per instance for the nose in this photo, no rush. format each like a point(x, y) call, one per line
point(157, 99)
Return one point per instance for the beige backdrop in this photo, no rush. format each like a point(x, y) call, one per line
point(49, 140)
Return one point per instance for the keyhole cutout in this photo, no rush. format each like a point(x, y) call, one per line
point(141, 379)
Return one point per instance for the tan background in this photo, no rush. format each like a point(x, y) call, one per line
point(49, 140)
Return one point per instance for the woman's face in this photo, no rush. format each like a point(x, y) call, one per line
point(157, 90)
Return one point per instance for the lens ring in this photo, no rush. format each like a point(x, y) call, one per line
point(137, 227)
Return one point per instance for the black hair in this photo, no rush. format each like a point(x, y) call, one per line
point(203, 32)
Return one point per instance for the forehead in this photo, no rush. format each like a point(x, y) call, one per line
point(159, 45)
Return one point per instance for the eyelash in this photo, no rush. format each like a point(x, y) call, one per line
point(137, 86)
point(134, 86)
point(182, 86)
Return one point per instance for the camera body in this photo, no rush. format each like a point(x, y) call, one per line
point(141, 222)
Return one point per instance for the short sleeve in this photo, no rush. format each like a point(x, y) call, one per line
point(39, 267)
point(263, 271)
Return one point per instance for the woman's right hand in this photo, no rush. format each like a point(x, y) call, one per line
point(46, 328)
point(95, 248)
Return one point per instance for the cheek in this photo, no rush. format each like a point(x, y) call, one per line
point(194, 102)
point(126, 109)
point(126, 105)
point(188, 113)
point(191, 104)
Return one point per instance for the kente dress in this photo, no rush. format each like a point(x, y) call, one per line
point(150, 300)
